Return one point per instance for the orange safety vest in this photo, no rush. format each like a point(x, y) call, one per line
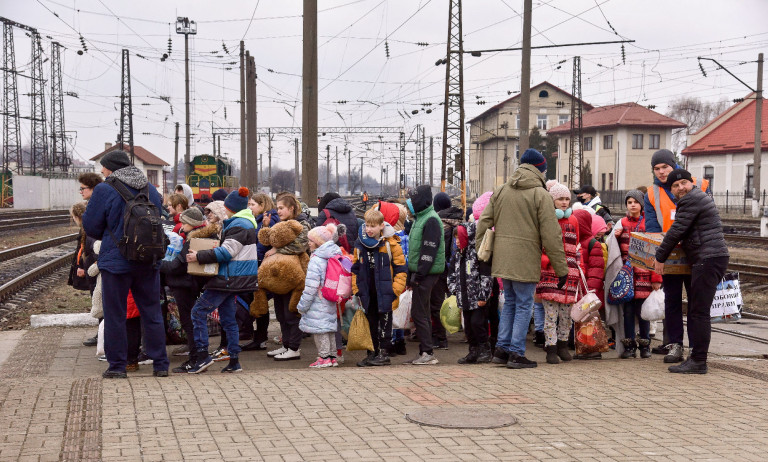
point(665, 208)
point(365, 197)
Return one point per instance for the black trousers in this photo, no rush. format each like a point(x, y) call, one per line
point(289, 322)
point(705, 276)
point(492, 314)
point(380, 325)
point(262, 324)
point(185, 300)
point(673, 306)
point(133, 334)
point(476, 326)
point(437, 297)
point(420, 311)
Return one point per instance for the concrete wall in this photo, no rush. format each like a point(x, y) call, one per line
point(34, 192)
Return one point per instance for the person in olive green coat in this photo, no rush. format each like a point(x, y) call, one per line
point(521, 213)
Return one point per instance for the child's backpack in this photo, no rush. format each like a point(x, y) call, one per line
point(143, 239)
point(337, 286)
point(603, 247)
point(343, 241)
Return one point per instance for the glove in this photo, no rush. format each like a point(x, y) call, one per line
point(561, 281)
point(416, 279)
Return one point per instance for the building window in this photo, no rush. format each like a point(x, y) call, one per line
point(562, 119)
point(608, 142)
point(588, 143)
point(517, 151)
point(709, 175)
point(602, 181)
point(517, 122)
point(637, 141)
point(543, 94)
point(610, 181)
point(152, 177)
point(565, 179)
point(750, 179)
point(541, 121)
point(653, 141)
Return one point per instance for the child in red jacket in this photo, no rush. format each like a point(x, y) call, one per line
point(591, 253)
point(645, 280)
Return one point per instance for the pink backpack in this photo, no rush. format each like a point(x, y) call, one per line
point(337, 287)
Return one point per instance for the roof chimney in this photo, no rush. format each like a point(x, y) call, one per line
point(107, 145)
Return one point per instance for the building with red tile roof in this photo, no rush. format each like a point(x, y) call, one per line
point(723, 150)
point(150, 164)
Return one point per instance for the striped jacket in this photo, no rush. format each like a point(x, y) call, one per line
point(236, 254)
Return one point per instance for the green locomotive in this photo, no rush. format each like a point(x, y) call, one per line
point(208, 174)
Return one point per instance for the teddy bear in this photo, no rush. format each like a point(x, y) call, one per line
point(278, 273)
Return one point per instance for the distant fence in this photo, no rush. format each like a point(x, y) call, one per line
point(728, 202)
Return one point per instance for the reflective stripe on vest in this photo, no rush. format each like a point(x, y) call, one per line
point(660, 215)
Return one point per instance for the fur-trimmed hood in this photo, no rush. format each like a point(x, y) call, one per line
point(207, 231)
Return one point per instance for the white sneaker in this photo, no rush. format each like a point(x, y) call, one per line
point(288, 354)
point(424, 359)
point(279, 351)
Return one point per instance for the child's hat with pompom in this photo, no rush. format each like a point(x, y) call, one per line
point(237, 200)
point(558, 190)
point(322, 234)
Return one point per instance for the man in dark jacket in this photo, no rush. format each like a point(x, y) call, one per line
point(103, 219)
point(426, 262)
point(451, 216)
point(588, 196)
point(332, 207)
point(697, 224)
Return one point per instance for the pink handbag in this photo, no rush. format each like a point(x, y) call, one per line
point(586, 307)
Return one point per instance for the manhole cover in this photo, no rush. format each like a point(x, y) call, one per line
point(461, 418)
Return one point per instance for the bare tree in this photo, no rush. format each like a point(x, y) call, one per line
point(282, 180)
point(695, 113)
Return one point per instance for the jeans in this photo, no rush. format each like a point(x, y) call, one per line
point(144, 284)
point(225, 302)
point(705, 276)
point(515, 316)
point(673, 306)
point(538, 316)
point(398, 335)
point(632, 311)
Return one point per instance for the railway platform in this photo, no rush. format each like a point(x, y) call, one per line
point(54, 405)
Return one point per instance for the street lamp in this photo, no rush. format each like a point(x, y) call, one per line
point(186, 28)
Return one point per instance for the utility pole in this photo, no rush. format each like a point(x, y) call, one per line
point(40, 159)
point(327, 168)
point(269, 155)
point(505, 125)
point(423, 153)
point(758, 137)
point(186, 27)
point(11, 134)
point(126, 107)
point(337, 169)
point(362, 185)
point(574, 166)
point(252, 155)
point(431, 160)
point(525, 78)
point(309, 103)
point(296, 165)
point(58, 140)
point(176, 158)
point(349, 171)
point(243, 163)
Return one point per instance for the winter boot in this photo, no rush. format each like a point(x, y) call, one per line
point(399, 347)
point(552, 357)
point(630, 348)
point(562, 350)
point(484, 353)
point(645, 348)
point(539, 338)
point(471, 358)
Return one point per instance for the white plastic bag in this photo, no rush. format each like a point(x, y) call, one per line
point(653, 306)
point(401, 317)
point(100, 340)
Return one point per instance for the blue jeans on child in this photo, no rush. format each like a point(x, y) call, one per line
point(632, 311)
point(206, 304)
point(515, 316)
point(538, 317)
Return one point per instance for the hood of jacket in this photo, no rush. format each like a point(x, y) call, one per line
point(187, 192)
point(131, 176)
point(451, 212)
point(584, 219)
point(372, 242)
point(526, 177)
point(339, 205)
point(327, 250)
point(218, 209)
point(246, 214)
point(421, 198)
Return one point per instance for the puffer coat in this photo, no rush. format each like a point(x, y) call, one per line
point(643, 278)
point(697, 224)
point(591, 254)
point(318, 315)
point(547, 287)
point(464, 278)
point(389, 277)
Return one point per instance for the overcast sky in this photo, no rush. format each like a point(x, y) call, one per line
point(354, 67)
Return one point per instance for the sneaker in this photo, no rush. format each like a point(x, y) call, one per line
point(339, 356)
point(144, 359)
point(675, 354)
point(335, 363)
point(160, 373)
point(279, 351)
point(200, 365)
point(381, 360)
point(424, 359)
point(254, 346)
point(109, 374)
point(288, 355)
point(689, 366)
point(278, 340)
point(366, 362)
point(660, 350)
point(520, 362)
point(102, 358)
point(132, 367)
point(183, 368)
point(182, 350)
point(322, 362)
point(93, 341)
point(220, 354)
point(441, 344)
point(500, 356)
point(233, 367)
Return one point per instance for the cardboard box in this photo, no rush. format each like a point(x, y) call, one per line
point(642, 254)
point(196, 269)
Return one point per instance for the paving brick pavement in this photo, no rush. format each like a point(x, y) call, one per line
point(55, 406)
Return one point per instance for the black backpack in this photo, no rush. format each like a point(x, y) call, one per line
point(143, 239)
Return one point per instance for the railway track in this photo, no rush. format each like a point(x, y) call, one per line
point(10, 254)
point(742, 240)
point(24, 219)
point(27, 267)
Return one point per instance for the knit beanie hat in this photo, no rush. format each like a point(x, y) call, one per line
point(480, 204)
point(115, 160)
point(635, 194)
point(676, 175)
point(558, 190)
point(237, 200)
point(663, 156)
point(328, 197)
point(219, 195)
point(322, 234)
point(218, 209)
point(192, 217)
point(598, 225)
point(534, 157)
point(390, 211)
point(441, 201)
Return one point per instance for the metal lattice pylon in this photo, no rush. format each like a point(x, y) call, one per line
point(575, 158)
point(59, 156)
point(453, 111)
point(126, 107)
point(40, 153)
point(11, 136)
